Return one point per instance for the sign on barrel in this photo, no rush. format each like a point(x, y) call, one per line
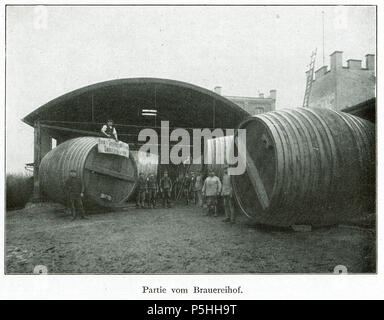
point(119, 148)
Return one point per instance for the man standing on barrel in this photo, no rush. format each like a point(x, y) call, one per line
point(75, 193)
point(109, 130)
point(166, 189)
point(211, 190)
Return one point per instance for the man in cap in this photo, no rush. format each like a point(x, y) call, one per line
point(75, 192)
point(109, 130)
point(226, 194)
point(166, 189)
point(187, 187)
point(141, 190)
point(152, 190)
point(198, 185)
point(211, 190)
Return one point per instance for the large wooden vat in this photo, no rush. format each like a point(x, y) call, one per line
point(307, 166)
point(109, 179)
point(147, 163)
point(217, 150)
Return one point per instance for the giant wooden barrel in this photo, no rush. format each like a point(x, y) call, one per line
point(217, 150)
point(109, 179)
point(147, 163)
point(307, 166)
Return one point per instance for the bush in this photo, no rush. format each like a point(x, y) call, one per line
point(19, 190)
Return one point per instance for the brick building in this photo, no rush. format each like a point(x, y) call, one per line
point(254, 105)
point(342, 87)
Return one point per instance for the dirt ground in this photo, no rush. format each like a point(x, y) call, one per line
point(176, 240)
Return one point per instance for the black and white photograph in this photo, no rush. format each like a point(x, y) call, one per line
point(190, 139)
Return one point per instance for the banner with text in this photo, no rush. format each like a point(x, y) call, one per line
point(119, 148)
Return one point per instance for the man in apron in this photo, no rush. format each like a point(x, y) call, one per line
point(211, 190)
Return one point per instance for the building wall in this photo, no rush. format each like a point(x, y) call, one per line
point(323, 93)
point(354, 87)
point(253, 105)
point(342, 87)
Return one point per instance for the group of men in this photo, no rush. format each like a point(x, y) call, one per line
point(192, 188)
point(148, 188)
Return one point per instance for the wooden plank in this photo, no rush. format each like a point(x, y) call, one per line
point(256, 181)
point(111, 173)
point(77, 131)
point(37, 159)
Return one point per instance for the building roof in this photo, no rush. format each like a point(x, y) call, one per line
point(182, 104)
point(365, 110)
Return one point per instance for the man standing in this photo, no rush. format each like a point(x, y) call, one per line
point(187, 187)
point(75, 192)
point(152, 190)
point(176, 186)
point(211, 189)
point(192, 186)
point(109, 130)
point(198, 185)
point(226, 193)
point(141, 190)
point(166, 189)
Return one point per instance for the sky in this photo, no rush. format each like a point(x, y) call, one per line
point(246, 50)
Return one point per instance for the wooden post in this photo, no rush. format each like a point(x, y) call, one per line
point(37, 159)
point(60, 139)
point(42, 145)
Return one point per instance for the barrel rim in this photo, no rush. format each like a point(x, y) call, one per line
point(114, 204)
point(262, 213)
point(92, 144)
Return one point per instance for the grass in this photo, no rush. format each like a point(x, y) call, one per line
point(19, 190)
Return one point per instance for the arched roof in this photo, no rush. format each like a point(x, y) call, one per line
point(183, 104)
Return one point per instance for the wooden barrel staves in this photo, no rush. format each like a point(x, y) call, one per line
point(307, 166)
point(147, 163)
point(217, 149)
point(109, 179)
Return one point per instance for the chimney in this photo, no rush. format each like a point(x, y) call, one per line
point(370, 61)
point(320, 72)
point(218, 90)
point(336, 60)
point(354, 64)
point(272, 94)
point(261, 95)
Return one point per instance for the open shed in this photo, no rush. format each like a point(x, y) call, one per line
point(82, 112)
